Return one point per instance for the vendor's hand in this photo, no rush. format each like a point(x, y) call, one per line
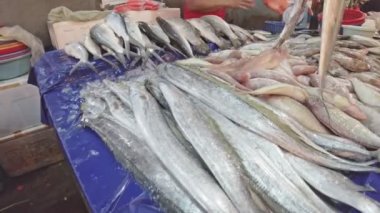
point(277, 5)
point(245, 4)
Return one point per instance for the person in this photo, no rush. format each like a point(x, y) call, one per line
point(199, 8)
point(371, 5)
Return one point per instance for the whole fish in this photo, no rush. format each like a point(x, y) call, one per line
point(94, 49)
point(243, 34)
point(212, 147)
point(298, 111)
point(116, 22)
point(191, 34)
point(155, 33)
point(265, 161)
point(222, 27)
point(363, 40)
point(78, 51)
point(294, 92)
point(304, 69)
point(333, 184)
point(159, 138)
point(342, 124)
point(176, 36)
point(373, 121)
point(103, 35)
point(207, 32)
point(366, 93)
point(351, 64)
point(254, 115)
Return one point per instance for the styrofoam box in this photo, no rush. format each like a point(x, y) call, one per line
point(20, 106)
point(62, 33)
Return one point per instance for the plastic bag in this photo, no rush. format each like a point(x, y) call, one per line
point(62, 13)
point(20, 34)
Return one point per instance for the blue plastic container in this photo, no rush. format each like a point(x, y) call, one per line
point(275, 27)
point(15, 67)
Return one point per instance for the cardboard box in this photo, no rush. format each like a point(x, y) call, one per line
point(65, 32)
point(29, 150)
point(62, 33)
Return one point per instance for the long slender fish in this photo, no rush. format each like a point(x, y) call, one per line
point(199, 184)
point(333, 184)
point(116, 22)
point(368, 94)
point(211, 145)
point(207, 32)
point(78, 51)
point(103, 35)
point(175, 36)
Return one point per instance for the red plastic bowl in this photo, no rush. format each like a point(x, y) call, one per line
point(351, 17)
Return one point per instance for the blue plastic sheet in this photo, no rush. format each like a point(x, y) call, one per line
point(105, 184)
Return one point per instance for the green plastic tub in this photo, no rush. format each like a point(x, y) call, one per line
point(15, 67)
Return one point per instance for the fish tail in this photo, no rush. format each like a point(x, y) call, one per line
point(75, 67)
point(113, 65)
point(236, 43)
point(121, 59)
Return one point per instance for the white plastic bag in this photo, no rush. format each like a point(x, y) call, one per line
point(20, 34)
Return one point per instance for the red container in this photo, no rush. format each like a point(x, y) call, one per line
point(353, 17)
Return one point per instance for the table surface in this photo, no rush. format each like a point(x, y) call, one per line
point(105, 184)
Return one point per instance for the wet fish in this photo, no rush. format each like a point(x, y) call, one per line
point(366, 93)
point(333, 184)
point(342, 124)
point(294, 92)
point(78, 51)
point(257, 83)
point(94, 49)
point(243, 36)
point(303, 79)
point(222, 27)
point(351, 64)
point(104, 36)
point(116, 22)
point(256, 117)
point(298, 111)
point(211, 145)
point(304, 69)
point(207, 32)
point(159, 138)
point(363, 40)
point(175, 36)
point(373, 121)
point(192, 35)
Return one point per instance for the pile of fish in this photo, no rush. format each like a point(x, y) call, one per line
point(200, 144)
point(124, 38)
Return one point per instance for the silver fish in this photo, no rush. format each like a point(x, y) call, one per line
point(366, 93)
point(213, 148)
point(222, 27)
point(207, 32)
point(78, 51)
point(116, 22)
point(103, 35)
point(243, 34)
point(94, 49)
point(333, 185)
point(191, 34)
point(199, 184)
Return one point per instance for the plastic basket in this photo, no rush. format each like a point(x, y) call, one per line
point(275, 27)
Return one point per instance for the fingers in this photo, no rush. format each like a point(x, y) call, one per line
point(245, 4)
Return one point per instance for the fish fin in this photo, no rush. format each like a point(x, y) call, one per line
point(113, 65)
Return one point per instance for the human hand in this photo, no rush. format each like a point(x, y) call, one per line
point(277, 5)
point(244, 4)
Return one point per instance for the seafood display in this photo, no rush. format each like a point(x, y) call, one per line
point(264, 125)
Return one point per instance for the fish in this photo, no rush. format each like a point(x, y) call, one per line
point(294, 92)
point(366, 93)
point(104, 36)
point(159, 138)
point(333, 184)
point(304, 69)
point(78, 51)
point(336, 70)
point(351, 64)
point(116, 22)
point(175, 36)
point(94, 49)
point(155, 33)
point(146, 167)
point(253, 114)
point(374, 50)
point(356, 54)
point(212, 147)
point(243, 36)
point(303, 79)
point(207, 32)
point(372, 123)
point(192, 35)
point(349, 44)
point(257, 83)
point(342, 124)
point(298, 111)
point(222, 27)
point(363, 40)
point(264, 161)
point(236, 28)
